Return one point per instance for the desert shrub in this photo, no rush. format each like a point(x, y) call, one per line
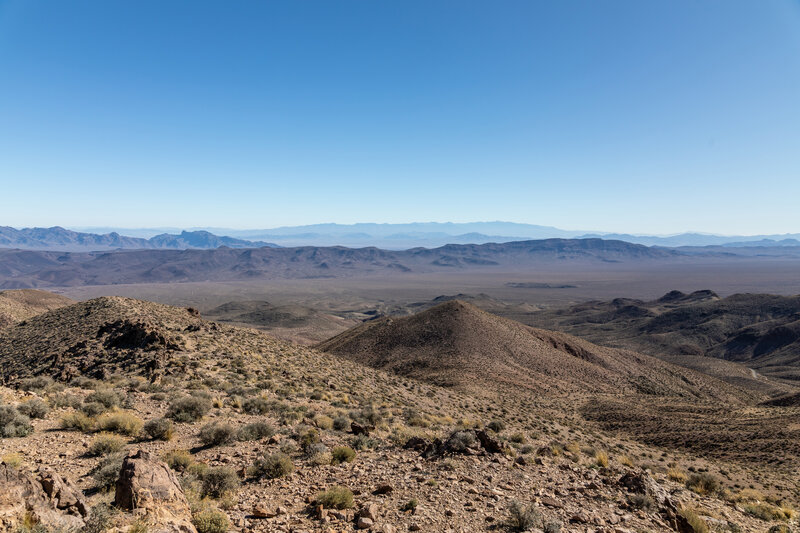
point(307, 437)
point(35, 408)
point(76, 420)
point(343, 454)
point(362, 442)
point(257, 405)
point(65, 400)
point(188, 409)
point(410, 506)
point(217, 434)
point(13, 424)
point(767, 512)
point(626, 460)
point(750, 495)
point(211, 521)
point(108, 398)
point(255, 431)
point(341, 423)
point(272, 466)
point(38, 383)
point(100, 520)
point(702, 483)
point(526, 449)
point(85, 383)
point(120, 422)
point(601, 459)
point(106, 472)
point(106, 443)
point(323, 422)
point(496, 425)
point(676, 474)
point(517, 438)
point(159, 429)
point(335, 498)
point(178, 460)
point(641, 501)
point(219, 480)
point(461, 440)
point(523, 517)
point(697, 524)
point(93, 408)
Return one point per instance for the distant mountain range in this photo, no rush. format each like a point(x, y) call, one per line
point(58, 238)
point(26, 269)
point(433, 234)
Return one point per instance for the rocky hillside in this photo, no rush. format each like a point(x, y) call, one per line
point(457, 344)
point(18, 305)
point(158, 420)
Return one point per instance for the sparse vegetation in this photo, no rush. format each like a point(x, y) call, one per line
point(13, 424)
point(106, 443)
point(217, 434)
point(211, 521)
point(188, 409)
point(123, 422)
point(702, 483)
point(159, 429)
point(697, 524)
point(342, 454)
point(178, 460)
point(335, 498)
point(522, 517)
point(219, 480)
point(255, 431)
point(272, 466)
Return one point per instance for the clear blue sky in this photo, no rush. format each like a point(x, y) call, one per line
point(636, 116)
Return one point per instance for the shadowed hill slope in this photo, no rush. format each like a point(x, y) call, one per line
point(457, 344)
point(19, 305)
point(761, 331)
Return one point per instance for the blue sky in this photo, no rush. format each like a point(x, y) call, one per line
point(635, 116)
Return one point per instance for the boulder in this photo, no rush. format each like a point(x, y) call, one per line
point(640, 482)
point(45, 497)
point(148, 486)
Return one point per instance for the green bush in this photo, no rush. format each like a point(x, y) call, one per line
point(217, 434)
point(93, 408)
point(159, 429)
point(335, 498)
point(211, 521)
point(272, 466)
point(255, 431)
point(35, 408)
point(188, 409)
point(13, 424)
point(106, 443)
point(343, 454)
point(219, 480)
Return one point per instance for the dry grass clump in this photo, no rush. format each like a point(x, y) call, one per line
point(211, 521)
point(272, 466)
point(601, 459)
point(76, 420)
point(122, 422)
point(106, 443)
point(698, 524)
point(335, 498)
point(768, 512)
point(676, 474)
point(178, 460)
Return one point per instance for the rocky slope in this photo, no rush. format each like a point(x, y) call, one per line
point(263, 435)
point(18, 305)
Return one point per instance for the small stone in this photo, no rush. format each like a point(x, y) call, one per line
point(364, 523)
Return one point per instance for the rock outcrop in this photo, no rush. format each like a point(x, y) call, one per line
point(147, 486)
point(43, 498)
